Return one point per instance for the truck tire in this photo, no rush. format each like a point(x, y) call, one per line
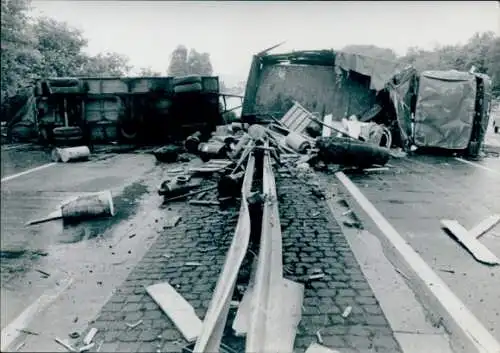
point(497, 129)
point(188, 88)
point(67, 132)
point(128, 131)
point(184, 80)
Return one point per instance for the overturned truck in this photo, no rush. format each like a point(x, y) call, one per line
point(431, 110)
point(128, 109)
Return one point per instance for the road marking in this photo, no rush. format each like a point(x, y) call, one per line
point(477, 165)
point(11, 331)
point(473, 336)
point(10, 177)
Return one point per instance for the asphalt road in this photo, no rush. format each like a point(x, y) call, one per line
point(59, 250)
point(417, 192)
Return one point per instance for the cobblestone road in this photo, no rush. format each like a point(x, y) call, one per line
point(311, 239)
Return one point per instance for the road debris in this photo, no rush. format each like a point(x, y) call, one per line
point(316, 276)
point(376, 169)
point(192, 142)
point(172, 222)
point(349, 152)
point(79, 208)
point(318, 335)
point(484, 226)
point(20, 345)
point(134, 325)
point(74, 335)
point(65, 345)
point(132, 235)
point(346, 212)
point(177, 309)
point(316, 348)
point(193, 264)
point(87, 347)
point(29, 332)
point(167, 154)
point(210, 249)
point(347, 312)
point(89, 336)
point(480, 252)
point(446, 270)
point(203, 203)
point(189, 194)
point(70, 154)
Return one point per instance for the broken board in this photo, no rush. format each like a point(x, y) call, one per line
point(485, 225)
point(177, 309)
point(287, 310)
point(478, 250)
point(317, 348)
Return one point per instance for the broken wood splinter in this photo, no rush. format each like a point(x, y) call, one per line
point(134, 325)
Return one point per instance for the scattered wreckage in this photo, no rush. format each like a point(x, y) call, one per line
point(300, 110)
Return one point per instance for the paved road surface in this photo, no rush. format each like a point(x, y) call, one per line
point(415, 194)
point(52, 247)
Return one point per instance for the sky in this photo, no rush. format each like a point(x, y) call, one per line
point(232, 31)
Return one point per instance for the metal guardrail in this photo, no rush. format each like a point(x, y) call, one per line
point(216, 316)
point(276, 303)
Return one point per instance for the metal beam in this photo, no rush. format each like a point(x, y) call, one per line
point(216, 316)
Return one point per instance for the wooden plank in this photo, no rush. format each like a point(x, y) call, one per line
point(478, 250)
point(285, 314)
point(317, 348)
point(328, 122)
point(177, 309)
point(484, 226)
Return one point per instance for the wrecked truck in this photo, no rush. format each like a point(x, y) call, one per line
point(151, 110)
point(430, 110)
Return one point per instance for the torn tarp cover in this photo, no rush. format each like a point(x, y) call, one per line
point(380, 71)
point(444, 111)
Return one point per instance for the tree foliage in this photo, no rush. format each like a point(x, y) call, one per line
point(481, 51)
point(18, 47)
point(148, 72)
point(61, 48)
point(44, 47)
point(184, 63)
point(105, 65)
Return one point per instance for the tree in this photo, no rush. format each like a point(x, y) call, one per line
point(178, 62)
point(106, 65)
point(199, 63)
point(493, 64)
point(372, 51)
point(182, 64)
point(482, 51)
point(18, 48)
point(61, 48)
point(148, 72)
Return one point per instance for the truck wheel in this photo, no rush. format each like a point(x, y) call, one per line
point(184, 80)
point(497, 129)
point(67, 132)
point(128, 131)
point(188, 88)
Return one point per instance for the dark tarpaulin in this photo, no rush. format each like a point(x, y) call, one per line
point(380, 71)
point(444, 111)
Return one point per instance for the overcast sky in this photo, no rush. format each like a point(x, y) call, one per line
point(148, 31)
